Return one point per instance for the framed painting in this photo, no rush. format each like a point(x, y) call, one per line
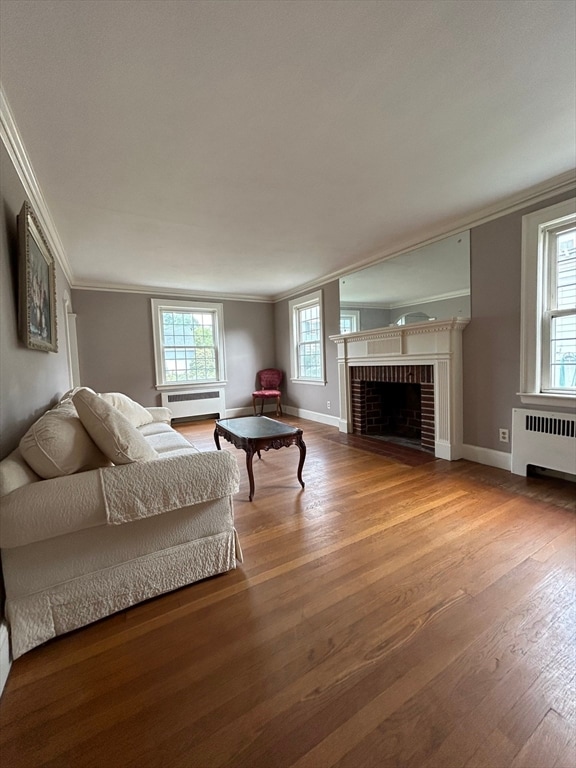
point(37, 285)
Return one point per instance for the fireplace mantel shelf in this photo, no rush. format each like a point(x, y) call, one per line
point(397, 331)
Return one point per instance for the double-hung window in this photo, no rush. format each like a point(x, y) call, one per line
point(548, 372)
point(188, 342)
point(307, 338)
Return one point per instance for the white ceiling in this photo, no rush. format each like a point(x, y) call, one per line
point(251, 148)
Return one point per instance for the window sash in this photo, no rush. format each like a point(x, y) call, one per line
point(308, 341)
point(309, 360)
point(189, 352)
point(558, 311)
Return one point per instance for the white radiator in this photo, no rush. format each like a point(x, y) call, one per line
point(206, 402)
point(543, 439)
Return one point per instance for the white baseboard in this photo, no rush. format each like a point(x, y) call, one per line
point(235, 413)
point(488, 456)
point(4, 655)
point(321, 418)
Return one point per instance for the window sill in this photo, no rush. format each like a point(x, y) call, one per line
point(540, 398)
point(314, 382)
point(182, 386)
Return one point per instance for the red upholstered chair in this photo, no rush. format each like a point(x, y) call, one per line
point(269, 380)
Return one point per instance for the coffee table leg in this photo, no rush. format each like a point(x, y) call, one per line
point(249, 457)
point(302, 445)
point(217, 439)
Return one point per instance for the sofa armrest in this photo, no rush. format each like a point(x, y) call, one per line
point(50, 508)
point(160, 413)
point(115, 495)
point(134, 491)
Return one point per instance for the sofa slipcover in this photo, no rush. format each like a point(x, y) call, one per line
point(81, 546)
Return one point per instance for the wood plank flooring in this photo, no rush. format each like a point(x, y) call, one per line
point(398, 612)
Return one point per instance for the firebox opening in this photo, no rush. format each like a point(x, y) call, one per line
point(394, 403)
point(396, 412)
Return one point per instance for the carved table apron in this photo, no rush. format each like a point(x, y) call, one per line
point(259, 433)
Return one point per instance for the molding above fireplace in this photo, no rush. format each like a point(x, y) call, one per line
point(436, 343)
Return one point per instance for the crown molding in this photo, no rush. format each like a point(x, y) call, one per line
point(402, 304)
point(564, 182)
point(431, 299)
point(362, 305)
point(14, 144)
point(163, 291)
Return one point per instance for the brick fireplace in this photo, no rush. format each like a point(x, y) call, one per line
point(396, 401)
point(424, 355)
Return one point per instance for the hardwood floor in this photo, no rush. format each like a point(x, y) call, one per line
point(398, 612)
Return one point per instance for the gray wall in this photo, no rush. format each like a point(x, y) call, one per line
point(370, 317)
point(491, 342)
point(30, 381)
point(312, 397)
point(116, 345)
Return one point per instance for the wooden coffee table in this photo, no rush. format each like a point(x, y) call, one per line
point(259, 433)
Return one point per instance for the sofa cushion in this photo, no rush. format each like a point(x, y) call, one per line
point(110, 430)
point(57, 444)
point(166, 441)
point(136, 414)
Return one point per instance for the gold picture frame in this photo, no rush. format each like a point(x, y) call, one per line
point(37, 285)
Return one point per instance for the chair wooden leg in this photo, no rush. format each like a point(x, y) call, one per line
point(254, 405)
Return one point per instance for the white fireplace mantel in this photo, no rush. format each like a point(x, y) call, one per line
point(435, 343)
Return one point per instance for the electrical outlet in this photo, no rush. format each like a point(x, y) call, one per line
point(328, 404)
point(504, 435)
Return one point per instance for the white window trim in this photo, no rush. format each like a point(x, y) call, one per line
point(533, 281)
point(187, 306)
point(311, 298)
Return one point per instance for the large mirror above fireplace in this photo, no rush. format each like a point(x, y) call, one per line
point(428, 283)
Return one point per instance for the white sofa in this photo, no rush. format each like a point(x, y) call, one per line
point(86, 532)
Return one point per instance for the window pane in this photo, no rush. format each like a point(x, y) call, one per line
point(189, 349)
point(566, 270)
point(310, 360)
point(309, 324)
point(563, 352)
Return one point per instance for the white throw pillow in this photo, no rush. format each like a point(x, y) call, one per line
point(57, 444)
point(110, 430)
point(136, 414)
point(67, 396)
